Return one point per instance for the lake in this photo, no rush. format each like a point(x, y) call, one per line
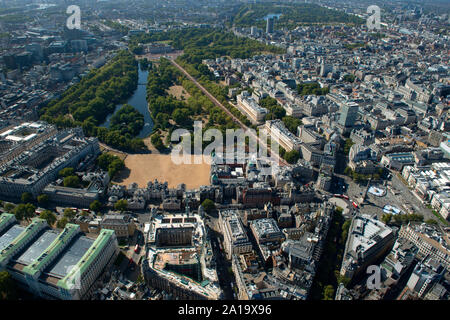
point(139, 101)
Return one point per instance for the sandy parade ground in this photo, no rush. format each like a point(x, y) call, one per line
point(142, 168)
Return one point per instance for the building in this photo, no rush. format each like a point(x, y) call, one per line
point(266, 230)
point(399, 260)
point(368, 239)
point(397, 161)
point(235, 237)
point(362, 137)
point(52, 264)
point(122, 224)
point(250, 107)
point(359, 152)
point(324, 182)
point(348, 114)
point(33, 170)
point(270, 25)
point(426, 274)
point(277, 130)
point(178, 258)
point(16, 139)
point(429, 240)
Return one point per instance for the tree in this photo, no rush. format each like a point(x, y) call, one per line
point(48, 216)
point(140, 279)
point(311, 88)
point(95, 206)
point(348, 171)
point(24, 211)
point(69, 214)
point(26, 197)
point(66, 172)
point(291, 123)
point(157, 141)
point(292, 156)
point(208, 205)
point(7, 286)
point(431, 221)
point(328, 293)
point(62, 223)
point(181, 116)
point(386, 218)
point(111, 163)
point(71, 181)
point(43, 200)
point(121, 205)
point(9, 207)
point(115, 166)
point(163, 120)
point(348, 145)
point(342, 279)
point(349, 78)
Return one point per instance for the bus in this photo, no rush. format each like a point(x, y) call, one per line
point(342, 196)
point(136, 248)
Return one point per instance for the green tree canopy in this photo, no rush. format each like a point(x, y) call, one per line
point(95, 206)
point(69, 214)
point(9, 207)
point(8, 289)
point(26, 197)
point(66, 172)
point(24, 211)
point(328, 293)
point(208, 205)
point(71, 182)
point(121, 205)
point(48, 216)
point(43, 200)
point(292, 156)
point(292, 123)
point(62, 223)
point(111, 163)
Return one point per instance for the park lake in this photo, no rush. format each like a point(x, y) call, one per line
point(139, 101)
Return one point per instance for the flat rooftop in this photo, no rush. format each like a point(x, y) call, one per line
point(70, 256)
point(39, 246)
point(175, 258)
point(10, 235)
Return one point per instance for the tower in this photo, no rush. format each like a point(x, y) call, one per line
point(348, 114)
point(269, 25)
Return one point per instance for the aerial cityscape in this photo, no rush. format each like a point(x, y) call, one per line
point(224, 150)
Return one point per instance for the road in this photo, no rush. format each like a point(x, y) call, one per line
point(228, 112)
point(222, 265)
point(226, 280)
point(131, 270)
point(111, 148)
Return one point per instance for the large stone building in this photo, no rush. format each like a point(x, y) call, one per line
point(33, 170)
point(52, 264)
point(178, 257)
point(235, 237)
point(368, 239)
point(122, 224)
